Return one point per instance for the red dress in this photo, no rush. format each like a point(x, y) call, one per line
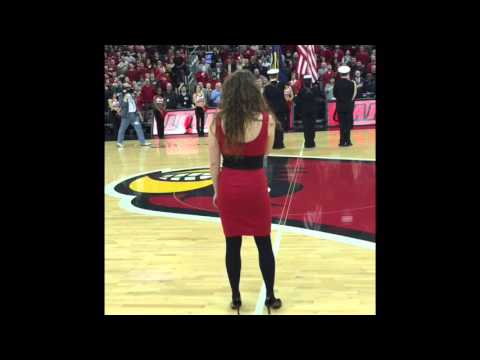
point(243, 199)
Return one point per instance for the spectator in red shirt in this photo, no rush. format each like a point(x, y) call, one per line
point(362, 55)
point(147, 93)
point(338, 54)
point(132, 73)
point(249, 52)
point(202, 76)
point(163, 81)
point(141, 71)
point(159, 70)
point(328, 74)
point(326, 53)
point(224, 54)
point(139, 103)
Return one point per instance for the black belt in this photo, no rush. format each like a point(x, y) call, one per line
point(244, 162)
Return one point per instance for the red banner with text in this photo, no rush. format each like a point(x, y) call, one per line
point(364, 113)
point(184, 122)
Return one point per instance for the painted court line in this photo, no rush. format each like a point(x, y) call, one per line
point(278, 238)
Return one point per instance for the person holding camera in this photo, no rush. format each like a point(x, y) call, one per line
point(130, 116)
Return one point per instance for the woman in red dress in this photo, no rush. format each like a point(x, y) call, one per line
point(243, 133)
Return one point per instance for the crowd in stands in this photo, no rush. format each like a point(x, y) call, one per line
point(160, 71)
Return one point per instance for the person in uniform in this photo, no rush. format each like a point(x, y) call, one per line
point(345, 91)
point(274, 96)
point(307, 109)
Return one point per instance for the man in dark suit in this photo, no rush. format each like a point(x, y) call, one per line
point(345, 92)
point(274, 96)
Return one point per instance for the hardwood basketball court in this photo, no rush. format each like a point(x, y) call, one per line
point(165, 254)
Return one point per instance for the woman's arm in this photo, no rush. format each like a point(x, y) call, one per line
point(214, 156)
point(271, 133)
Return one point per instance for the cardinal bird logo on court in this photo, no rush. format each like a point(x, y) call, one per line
point(305, 193)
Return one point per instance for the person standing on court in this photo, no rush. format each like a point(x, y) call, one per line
point(243, 133)
point(159, 112)
point(200, 102)
point(345, 91)
point(307, 108)
point(275, 98)
point(130, 116)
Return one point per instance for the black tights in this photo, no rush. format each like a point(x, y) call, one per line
point(234, 262)
point(200, 116)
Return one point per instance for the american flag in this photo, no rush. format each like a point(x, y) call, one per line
point(307, 61)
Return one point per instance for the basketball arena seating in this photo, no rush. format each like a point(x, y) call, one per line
point(321, 122)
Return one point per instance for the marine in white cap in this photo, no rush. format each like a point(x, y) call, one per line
point(345, 91)
point(344, 69)
point(275, 98)
point(273, 75)
point(273, 72)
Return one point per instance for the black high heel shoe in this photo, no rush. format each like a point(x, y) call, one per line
point(273, 302)
point(236, 304)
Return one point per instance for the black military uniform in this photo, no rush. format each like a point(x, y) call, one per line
point(275, 99)
point(306, 105)
point(343, 91)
